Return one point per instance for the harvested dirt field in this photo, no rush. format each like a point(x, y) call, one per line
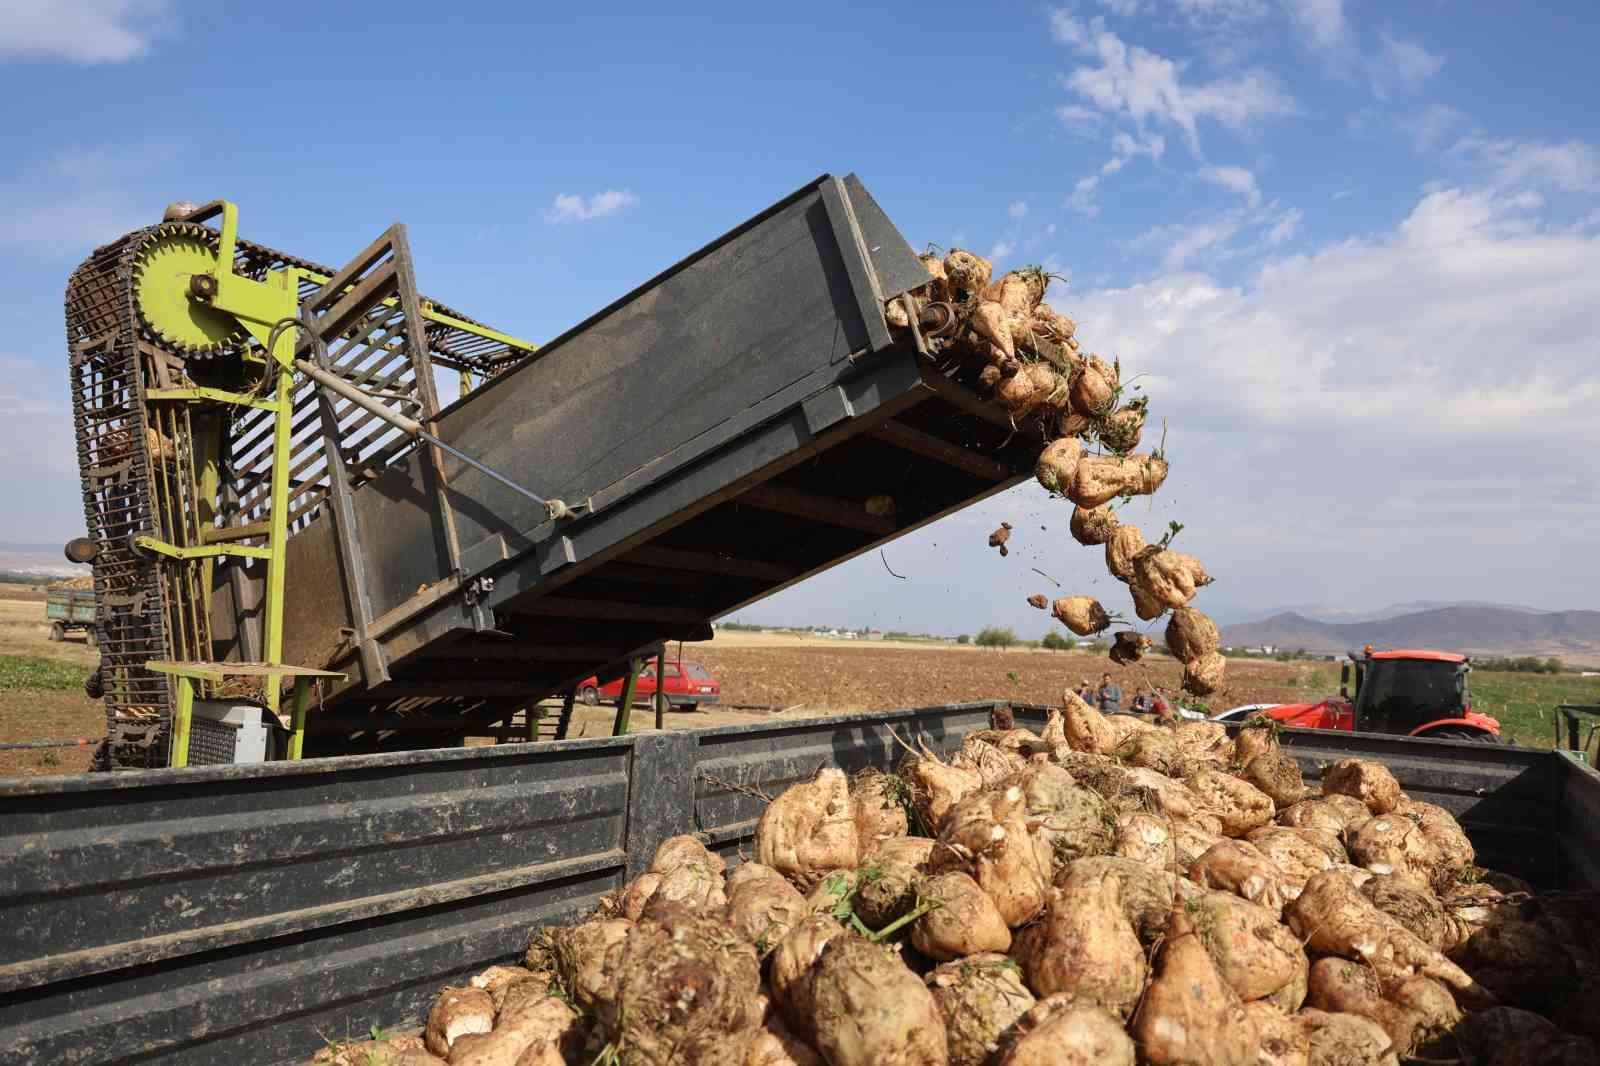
point(832, 679)
point(799, 677)
point(48, 711)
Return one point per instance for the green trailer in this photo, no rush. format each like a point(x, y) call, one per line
point(68, 610)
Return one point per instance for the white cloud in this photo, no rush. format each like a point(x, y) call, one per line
point(1017, 211)
point(83, 31)
point(1066, 28)
point(1186, 242)
point(1342, 194)
point(1124, 148)
point(1002, 250)
point(570, 208)
point(1321, 21)
point(1080, 119)
point(1284, 228)
point(1410, 328)
point(1082, 198)
point(38, 462)
point(1431, 127)
point(1402, 64)
point(1250, 228)
point(1571, 166)
point(62, 206)
point(1382, 407)
point(1146, 87)
point(1230, 10)
point(1234, 179)
point(1125, 8)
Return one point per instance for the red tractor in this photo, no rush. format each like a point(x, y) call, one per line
point(1407, 692)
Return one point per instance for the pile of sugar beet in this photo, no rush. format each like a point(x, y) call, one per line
point(1109, 890)
point(1027, 357)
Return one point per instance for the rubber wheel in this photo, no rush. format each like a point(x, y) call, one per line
point(662, 703)
point(58, 632)
point(1461, 733)
point(90, 638)
point(590, 696)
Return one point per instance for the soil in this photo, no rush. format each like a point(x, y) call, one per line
point(791, 677)
point(37, 715)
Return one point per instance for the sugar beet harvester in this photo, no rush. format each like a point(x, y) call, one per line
point(269, 476)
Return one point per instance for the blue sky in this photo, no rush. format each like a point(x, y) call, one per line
point(1352, 246)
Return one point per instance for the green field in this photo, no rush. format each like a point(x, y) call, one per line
point(29, 673)
point(1526, 703)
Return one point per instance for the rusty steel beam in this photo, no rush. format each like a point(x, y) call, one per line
point(929, 446)
point(827, 510)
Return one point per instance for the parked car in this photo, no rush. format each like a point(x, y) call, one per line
point(688, 685)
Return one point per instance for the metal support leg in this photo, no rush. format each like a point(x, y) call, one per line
point(661, 687)
point(278, 526)
point(297, 738)
point(564, 723)
point(181, 717)
point(625, 705)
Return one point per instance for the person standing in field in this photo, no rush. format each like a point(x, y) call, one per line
point(1086, 691)
point(1109, 696)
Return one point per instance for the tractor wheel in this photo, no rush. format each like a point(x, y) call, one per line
point(590, 696)
point(1456, 732)
point(58, 632)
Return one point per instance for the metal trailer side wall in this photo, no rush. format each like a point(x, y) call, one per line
point(247, 914)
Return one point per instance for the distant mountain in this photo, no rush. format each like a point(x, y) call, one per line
point(37, 560)
point(1572, 636)
point(1338, 615)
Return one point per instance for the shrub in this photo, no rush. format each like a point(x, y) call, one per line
point(995, 637)
point(1053, 641)
point(963, 639)
point(1526, 664)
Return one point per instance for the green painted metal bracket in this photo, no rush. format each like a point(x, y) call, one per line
point(196, 394)
point(625, 704)
point(204, 551)
point(258, 305)
point(433, 314)
point(186, 674)
point(297, 736)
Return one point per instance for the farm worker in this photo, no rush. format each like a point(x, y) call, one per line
point(1141, 701)
point(1086, 691)
point(1109, 698)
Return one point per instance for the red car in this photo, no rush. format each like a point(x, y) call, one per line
point(1409, 692)
point(688, 685)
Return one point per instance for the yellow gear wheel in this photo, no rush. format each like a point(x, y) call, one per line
point(165, 260)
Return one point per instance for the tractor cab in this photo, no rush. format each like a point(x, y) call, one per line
point(1414, 693)
point(1406, 693)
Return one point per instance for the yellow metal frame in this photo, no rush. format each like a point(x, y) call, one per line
point(262, 307)
point(205, 551)
point(197, 393)
point(186, 674)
